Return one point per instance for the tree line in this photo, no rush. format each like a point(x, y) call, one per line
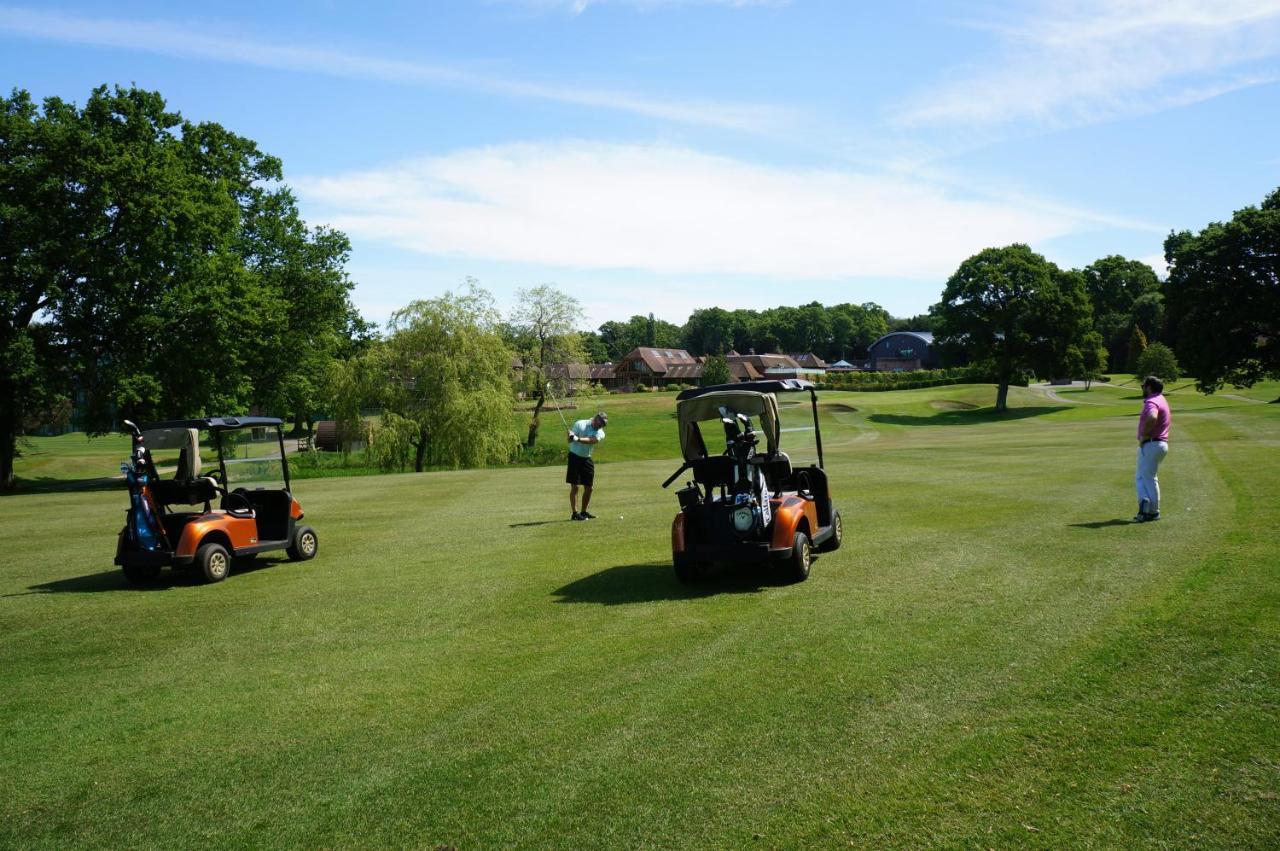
point(152, 267)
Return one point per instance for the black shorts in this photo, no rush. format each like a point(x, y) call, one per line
point(582, 470)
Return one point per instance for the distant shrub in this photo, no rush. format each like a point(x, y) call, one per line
point(1158, 360)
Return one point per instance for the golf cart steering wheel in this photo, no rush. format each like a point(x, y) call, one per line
point(229, 500)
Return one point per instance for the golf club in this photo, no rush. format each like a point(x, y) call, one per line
point(558, 411)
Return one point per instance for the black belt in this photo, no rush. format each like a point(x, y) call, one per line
point(1147, 440)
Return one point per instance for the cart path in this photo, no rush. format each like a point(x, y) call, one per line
point(1049, 391)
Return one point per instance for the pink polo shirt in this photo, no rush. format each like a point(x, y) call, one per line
point(1158, 408)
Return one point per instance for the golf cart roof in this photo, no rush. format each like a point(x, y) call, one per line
point(706, 406)
point(215, 423)
point(781, 385)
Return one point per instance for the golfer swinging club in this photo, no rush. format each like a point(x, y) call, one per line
point(583, 437)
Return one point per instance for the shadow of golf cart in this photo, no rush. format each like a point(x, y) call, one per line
point(171, 520)
point(748, 505)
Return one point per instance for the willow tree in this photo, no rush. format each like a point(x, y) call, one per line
point(443, 375)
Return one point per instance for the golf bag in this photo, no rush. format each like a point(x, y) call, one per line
point(142, 527)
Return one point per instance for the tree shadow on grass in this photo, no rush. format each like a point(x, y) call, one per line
point(114, 580)
point(1102, 524)
point(977, 416)
point(656, 581)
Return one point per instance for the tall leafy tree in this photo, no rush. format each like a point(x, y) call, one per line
point(119, 225)
point(442, 377)
point(716, 371)
point(543, 323)
point(304, 271)
point(709, 330)
point(1223, 297)
point(1014, 309)
point(1123, 293)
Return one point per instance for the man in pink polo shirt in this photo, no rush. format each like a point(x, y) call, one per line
point(1153, 445)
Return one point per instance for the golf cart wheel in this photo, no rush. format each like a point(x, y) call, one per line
point(796, 565)
point(214, 562)
point(687, 570)
point(305, 544)
point(837, 534)
point(141, 574)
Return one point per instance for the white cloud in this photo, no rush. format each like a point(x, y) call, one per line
point(1072, 62)
point(194, 42)
point(672, 211)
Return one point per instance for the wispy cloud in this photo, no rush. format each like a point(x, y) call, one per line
point(673, 211)
point(1073, 62)
point(191, 42)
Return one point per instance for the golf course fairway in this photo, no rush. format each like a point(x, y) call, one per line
point(996, 657)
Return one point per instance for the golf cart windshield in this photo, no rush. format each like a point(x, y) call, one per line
point(252, 458)
point(249, 450)
point(760, 407)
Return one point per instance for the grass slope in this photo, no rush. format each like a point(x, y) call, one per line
point(994, 658)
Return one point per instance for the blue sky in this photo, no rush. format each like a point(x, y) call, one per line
point(664, 155)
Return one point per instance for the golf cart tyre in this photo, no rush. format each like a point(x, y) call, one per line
point(214, 562)
point(837, 534)
point(305, 544)
point(796, 565)
point(141, 574)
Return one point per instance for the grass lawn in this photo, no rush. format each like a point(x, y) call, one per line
point(994, 658)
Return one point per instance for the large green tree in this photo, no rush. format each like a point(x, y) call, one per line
point(1223, 297)
point(1017, 311)
point(143, 253)
point(442, 377)
point(1123, 293)
point(304, 271)
point(709, 331)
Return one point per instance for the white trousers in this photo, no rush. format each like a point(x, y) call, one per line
point(1150, 454)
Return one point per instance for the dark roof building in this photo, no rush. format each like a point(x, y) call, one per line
point(903, 351)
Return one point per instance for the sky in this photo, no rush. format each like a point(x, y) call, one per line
point(666, 155)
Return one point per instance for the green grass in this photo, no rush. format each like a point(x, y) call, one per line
point(994, 658)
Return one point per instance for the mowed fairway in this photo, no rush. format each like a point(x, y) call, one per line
point(994, 658)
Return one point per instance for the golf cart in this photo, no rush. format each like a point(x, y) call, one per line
point(748, 504)
point(171, 520)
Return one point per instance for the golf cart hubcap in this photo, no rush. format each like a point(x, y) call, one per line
point(804, 553)
point(217, 564)
point(308, 543)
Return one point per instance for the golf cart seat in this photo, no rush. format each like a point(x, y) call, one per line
point(191, 491)
point(713, 472)
point(776, 467)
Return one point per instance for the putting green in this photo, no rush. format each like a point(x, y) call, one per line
point(994, 658)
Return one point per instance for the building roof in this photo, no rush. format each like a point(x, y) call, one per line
point(601, 371)
point(926, 336)
point(573, 371)
point(657, 360)
point(766, 361)
point(809, 359)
